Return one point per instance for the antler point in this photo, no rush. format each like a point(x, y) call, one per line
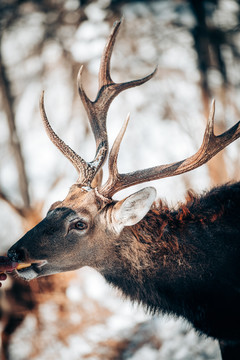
point(41, 101)
point(212, 112)
point(79, 74)
point(117, 23)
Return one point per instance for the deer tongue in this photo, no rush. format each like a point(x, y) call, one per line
point(22, 266)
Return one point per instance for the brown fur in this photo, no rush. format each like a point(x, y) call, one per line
point(182, 261)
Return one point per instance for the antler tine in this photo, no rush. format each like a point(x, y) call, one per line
point(113, 156)
point(108, 90)
point(211, 145)
point(104, 77)
point(82, 167)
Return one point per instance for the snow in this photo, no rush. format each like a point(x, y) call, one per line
point(99, 318)
point(148, 337)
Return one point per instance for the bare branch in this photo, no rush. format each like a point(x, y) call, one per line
point(8, 105)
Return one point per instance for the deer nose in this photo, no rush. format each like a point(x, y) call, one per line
point(17, 255)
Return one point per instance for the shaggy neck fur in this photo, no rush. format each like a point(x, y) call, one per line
point(177, 261)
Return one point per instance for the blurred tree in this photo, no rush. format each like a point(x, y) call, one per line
point(24, 297)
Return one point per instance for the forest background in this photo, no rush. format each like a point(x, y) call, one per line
point(196, 45)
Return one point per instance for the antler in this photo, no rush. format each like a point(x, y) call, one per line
point(211, 145)
point(97, 114)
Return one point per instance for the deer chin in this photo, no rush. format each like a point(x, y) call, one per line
point(31, 272)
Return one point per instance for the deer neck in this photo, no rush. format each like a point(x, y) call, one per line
point(147, 258)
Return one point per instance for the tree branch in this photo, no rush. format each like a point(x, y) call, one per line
point(8, 101)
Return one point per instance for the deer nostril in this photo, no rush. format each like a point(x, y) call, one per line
point(17, 254)
point(12, 254)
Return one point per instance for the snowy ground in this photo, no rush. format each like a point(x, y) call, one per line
point(104, 326)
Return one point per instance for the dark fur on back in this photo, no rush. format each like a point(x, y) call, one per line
point(187, 261)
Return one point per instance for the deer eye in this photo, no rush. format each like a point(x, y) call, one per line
point(80, 225)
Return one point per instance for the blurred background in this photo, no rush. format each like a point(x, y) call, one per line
point(42, 45)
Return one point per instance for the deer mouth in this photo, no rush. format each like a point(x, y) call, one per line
point(31, 270)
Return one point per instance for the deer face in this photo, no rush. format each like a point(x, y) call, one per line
point(68, 238)
point(78, 231)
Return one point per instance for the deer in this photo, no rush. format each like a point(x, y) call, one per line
point(182, 262)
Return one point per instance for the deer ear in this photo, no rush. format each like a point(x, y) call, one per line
point(131, 210)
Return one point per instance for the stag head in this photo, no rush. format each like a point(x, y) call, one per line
point(83, 229)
